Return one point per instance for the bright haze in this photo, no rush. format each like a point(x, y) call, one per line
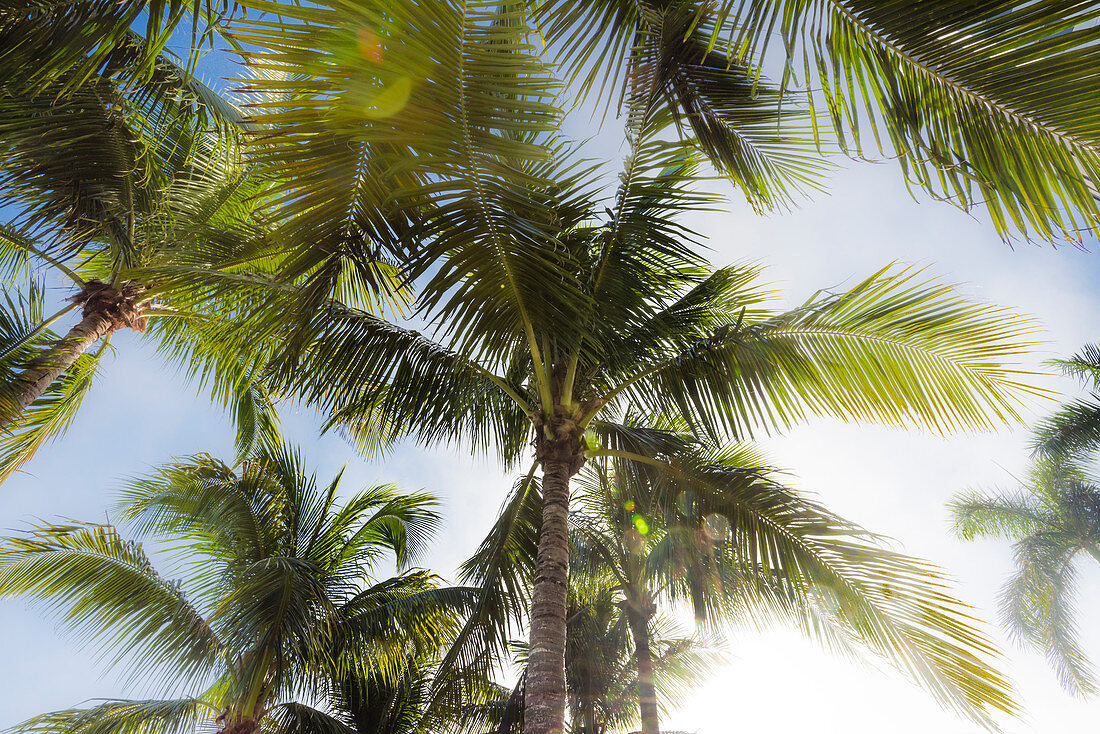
point(891, 481)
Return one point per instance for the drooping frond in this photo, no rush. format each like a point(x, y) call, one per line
point(1072, 431)
point(501, 571)
point(982, 103)
point(48, 416)
point(380, 625)
point(1053, 521)
point(447, 104)
point(757, 136)
point(56, 47)
point(658, 63)
point(1038, 606)
point(173, 716)
point(106, 591)
point(897, 606)
point(294, 717)
point(378, 380)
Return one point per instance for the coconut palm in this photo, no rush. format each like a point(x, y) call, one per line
point(557, 313)
point(982, 104)
point(110, 190)
point(601, 674)
point(1074, 430)
point(600, 671)
point(1053, 520)
point(277, 607)
point(721, 535)
point(550, 311)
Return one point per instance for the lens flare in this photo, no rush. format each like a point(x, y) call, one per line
point(629, 505)
point(685, 503)
point(391, 100)
point(717, 527)
point(369, 45)
point(640, 524)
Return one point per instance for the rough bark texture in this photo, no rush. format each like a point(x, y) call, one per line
point(105, 309)
point(29, 384)
point(544, 704)
point(643, 655)
point(559, 449)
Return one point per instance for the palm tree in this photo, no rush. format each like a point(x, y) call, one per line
point(600, 671)
point(602, 679)
point(1074, 430)
point(552, 313)
point(125, 193)
point(724, 537)
point(276, 607)
point(557, 320)
point(1053, 520)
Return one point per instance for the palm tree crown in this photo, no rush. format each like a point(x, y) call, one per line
point(121, 190)
point(560, 315)
point(276, 607)
point(1053, 520)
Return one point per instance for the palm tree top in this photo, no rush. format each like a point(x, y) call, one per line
point(1052, 519)
point(277, 606)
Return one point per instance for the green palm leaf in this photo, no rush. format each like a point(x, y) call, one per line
point(108, 592)
point(892, 349)
point(721, 534)
point(981, 103)
point(1052, 520)
point(150, 716)
point(50, 415)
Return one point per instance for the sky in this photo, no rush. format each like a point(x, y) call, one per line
point(894, 482)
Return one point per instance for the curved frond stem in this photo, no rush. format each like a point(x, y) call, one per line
point(46, 324)
point(630, 456)
point(503, 385)
point(24, 243)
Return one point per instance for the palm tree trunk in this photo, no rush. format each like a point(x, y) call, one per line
point(544, 702)
point(643, 655)
point(29, 385)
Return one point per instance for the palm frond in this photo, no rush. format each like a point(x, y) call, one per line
point(1085, 365)
point(392, 83)
point(897, 606)
point(1037, 606)
point(384, 517)
point(981, 103)
point(1073, 430)
point(106, 590)
point(57, 47)
point(1004, 515)
point(379, 381)
point(501, 569)
point(294, 717)
point(50, 415)
point(756, 135)
point(720, 533)
point(148, 716)
point(383, 622)
point(891, 350)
